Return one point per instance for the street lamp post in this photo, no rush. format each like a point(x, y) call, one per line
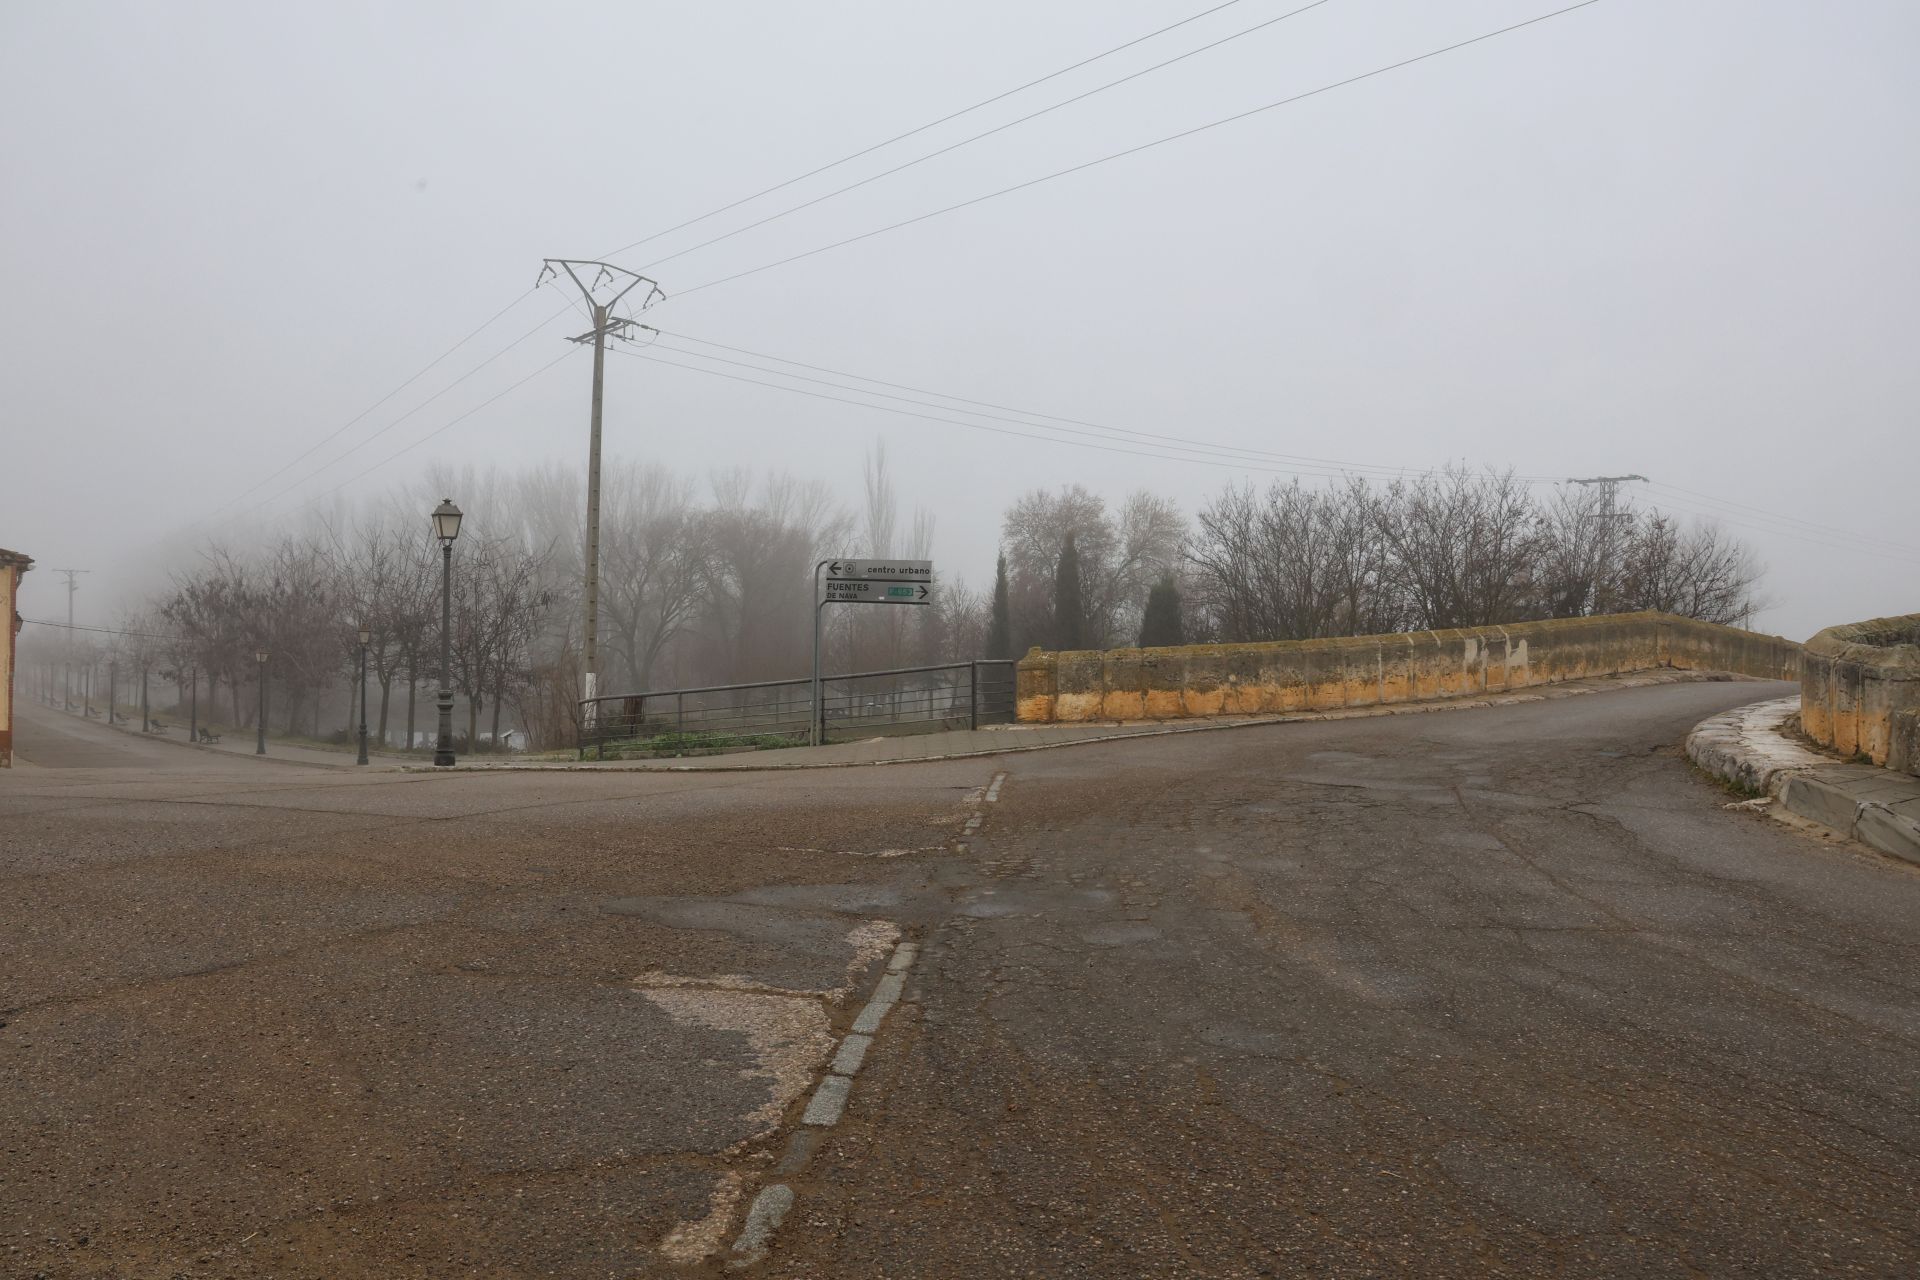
point(446, 527)
point(260, 727)
point(366, 634)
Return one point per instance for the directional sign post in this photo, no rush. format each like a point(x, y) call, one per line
point(850, 581)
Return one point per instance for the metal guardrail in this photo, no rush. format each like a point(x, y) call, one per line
point(777, 713)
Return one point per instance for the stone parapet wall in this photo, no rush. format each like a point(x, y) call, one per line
point(1316, 675)
point(1860, 690)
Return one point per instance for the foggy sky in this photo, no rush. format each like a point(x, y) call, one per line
point(1672, 237)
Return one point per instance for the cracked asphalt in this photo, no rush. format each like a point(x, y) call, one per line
point(1502, 991)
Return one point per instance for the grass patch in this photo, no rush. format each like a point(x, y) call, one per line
point(691, 744)
point(1733, 787)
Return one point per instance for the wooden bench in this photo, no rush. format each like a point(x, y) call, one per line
point(209, 737)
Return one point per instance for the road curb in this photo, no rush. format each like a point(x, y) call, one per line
point(1537, 693)
point(1747, 748)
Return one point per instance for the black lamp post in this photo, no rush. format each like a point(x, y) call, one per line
point(260, 728)
point(366, 634)
point(446, 527)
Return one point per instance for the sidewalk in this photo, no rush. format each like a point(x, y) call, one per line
point(241, 743)
point(1004, 739)
point(1746, 747)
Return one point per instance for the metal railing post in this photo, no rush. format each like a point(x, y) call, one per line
point(973, 695)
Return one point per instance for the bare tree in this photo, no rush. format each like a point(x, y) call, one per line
point(1463, 546)
point(1697, 571)
point(653, 560)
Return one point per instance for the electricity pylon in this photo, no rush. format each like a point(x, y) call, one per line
point(1610, 517)
point(616, 283)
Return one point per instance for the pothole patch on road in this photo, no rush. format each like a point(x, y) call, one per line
point(689, 1242)
point(786, 1036)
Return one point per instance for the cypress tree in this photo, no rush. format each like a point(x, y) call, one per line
point(1000, 624)
point(1069, 614)
point(1161, 625)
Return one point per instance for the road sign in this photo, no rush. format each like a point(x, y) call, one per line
point(850, 581)
point(882, 570)
point(868, 591)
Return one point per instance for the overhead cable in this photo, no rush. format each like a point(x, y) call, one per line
point(918, 129)
point(1001, 128)
point(1144, 146)
point(343, 427)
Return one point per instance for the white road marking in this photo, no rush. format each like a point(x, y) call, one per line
point(828, 1101)
point(853, 1052)
point(877, 1008)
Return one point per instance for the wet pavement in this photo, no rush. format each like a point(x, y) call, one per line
point(1502, 991)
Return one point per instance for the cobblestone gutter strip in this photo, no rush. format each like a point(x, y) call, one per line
point(824, 1108)
point(1746, 747)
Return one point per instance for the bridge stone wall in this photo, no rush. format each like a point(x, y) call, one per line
point(1860, 690)
point(1358, 671)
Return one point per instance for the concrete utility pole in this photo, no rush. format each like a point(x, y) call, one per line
point(66, 687)
point(617, 282)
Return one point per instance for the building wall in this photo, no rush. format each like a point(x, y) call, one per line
point(1314, 675)
point(10, 570)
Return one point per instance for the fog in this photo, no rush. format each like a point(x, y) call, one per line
point(1637, 238)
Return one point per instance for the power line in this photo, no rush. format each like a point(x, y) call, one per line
point(923, 217)
point(343, 427)
point(1163, 455)
point(1144, 146)
point(1001, 128)
point(353, 449)
point(437, 360)
point(917, 129)
point(1234, 451)
point(444, 427)
point(1312, 468)
point(1780, 516)
point(81, 626)
point(1890, 551)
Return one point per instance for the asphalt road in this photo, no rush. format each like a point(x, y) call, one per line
point(1483, 992)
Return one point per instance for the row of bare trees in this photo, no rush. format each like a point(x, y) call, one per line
point(700, 584)
point(1449, 549)
point(707, 583)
